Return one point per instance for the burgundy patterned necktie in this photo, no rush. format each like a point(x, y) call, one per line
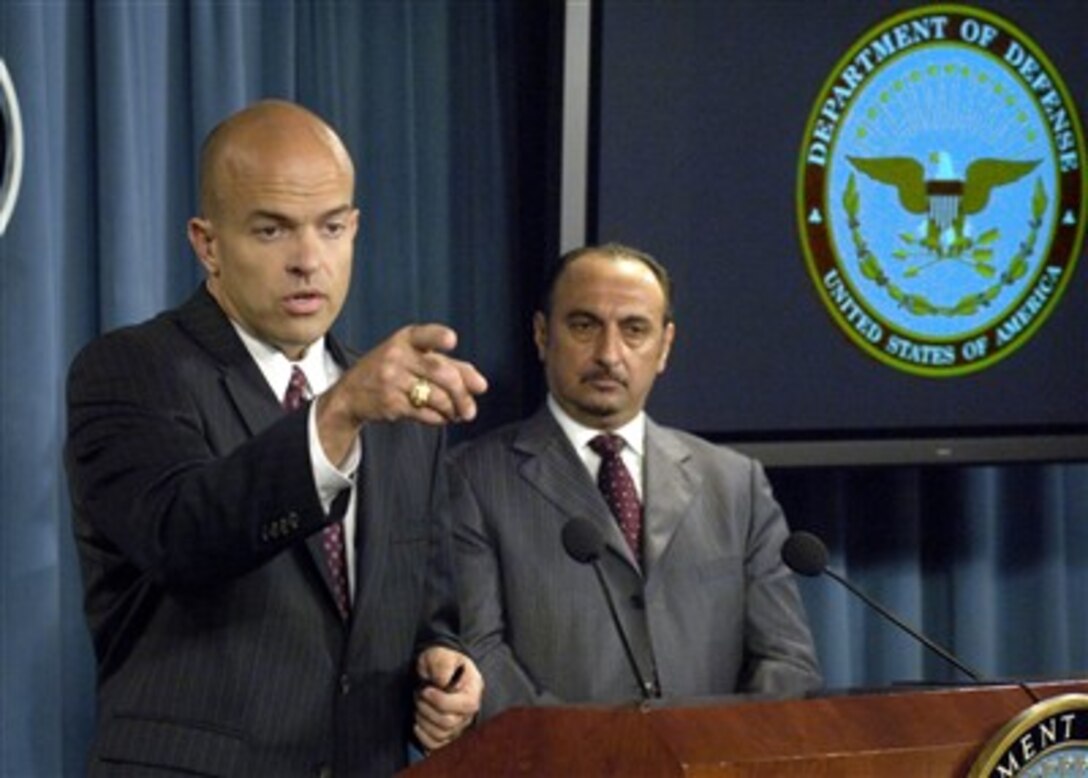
point(332, 537)
point(618, 488)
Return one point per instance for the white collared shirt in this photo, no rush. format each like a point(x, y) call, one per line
point(579, 435)
point(321, 371)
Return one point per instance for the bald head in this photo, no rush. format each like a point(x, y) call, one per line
point(250, 139)
point(277, 226)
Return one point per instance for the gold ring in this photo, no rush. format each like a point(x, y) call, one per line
point(420, 393)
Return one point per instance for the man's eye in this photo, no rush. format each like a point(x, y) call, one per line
point(335, 229)
point(637, 333)
point(268, 231)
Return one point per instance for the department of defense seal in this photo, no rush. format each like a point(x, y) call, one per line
point(941, 190)
point(11, 147)
point(1048, 740)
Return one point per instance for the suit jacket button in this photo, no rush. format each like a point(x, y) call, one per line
point(637, 602)
point(345, 684)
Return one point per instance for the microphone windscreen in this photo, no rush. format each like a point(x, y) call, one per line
point(804, 553)
point(582, 540)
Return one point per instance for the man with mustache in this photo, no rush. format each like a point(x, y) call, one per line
point(268, 578)
point(691, 532)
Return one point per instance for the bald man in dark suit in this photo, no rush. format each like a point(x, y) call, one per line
point(267, 577)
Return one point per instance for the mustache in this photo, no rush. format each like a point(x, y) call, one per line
point(603, 373)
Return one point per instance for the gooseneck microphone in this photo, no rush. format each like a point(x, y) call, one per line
point(805, 554)
point(584, 543)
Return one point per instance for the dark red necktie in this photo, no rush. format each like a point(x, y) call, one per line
point(332, 537)
point(618, 488)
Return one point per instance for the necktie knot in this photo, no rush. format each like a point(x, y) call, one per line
point(607, 446)
point(296, 390)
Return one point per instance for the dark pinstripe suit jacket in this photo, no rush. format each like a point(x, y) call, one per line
point(713, 611)
point(218, 643)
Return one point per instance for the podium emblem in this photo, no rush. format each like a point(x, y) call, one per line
point(941, 190)
point(1048, 739)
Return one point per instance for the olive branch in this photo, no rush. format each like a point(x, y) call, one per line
point(919, 305)
point(969, 251)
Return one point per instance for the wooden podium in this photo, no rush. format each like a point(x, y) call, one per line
point(895, 733)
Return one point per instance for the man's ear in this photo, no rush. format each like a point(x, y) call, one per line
point(668, 336)
point(202, 239)
point(540, 334)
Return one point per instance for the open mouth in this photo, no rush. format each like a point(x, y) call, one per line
point(303, 303)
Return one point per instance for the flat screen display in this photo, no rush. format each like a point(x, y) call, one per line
point(873, 213)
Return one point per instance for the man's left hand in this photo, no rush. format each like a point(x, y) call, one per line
point(448, 699)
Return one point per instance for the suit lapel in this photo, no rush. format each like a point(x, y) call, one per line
point(670, 488)
point(247, 390)
point(243, 383)
point(552, 467)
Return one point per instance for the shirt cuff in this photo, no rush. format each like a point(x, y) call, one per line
point(329, 479)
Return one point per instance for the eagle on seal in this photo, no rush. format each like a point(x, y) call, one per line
point(946, 200)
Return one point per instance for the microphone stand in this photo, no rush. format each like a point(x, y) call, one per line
point(925, 641)
point(646, 689)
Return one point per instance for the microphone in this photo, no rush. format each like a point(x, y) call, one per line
point(584, 543)
point(805, 554)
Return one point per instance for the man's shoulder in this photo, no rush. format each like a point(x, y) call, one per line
point(506, 448)
point(154, 357)
point(136, 342)
point(158, 331)
point(699, 448)
point(486, 445)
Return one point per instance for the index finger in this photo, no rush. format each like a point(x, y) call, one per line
point(432, 337)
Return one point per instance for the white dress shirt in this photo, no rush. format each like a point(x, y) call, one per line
point(321, 372)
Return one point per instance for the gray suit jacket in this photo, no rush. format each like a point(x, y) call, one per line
point(713, 611)
point(219, 647)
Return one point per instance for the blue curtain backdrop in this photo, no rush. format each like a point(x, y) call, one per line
point(448, 108)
